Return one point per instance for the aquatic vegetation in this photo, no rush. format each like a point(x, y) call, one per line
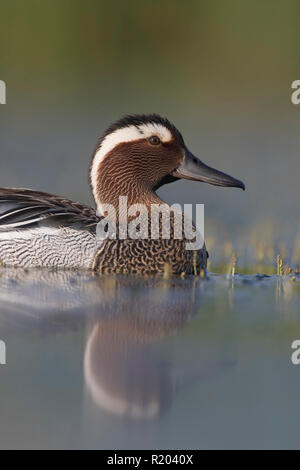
point(233, 264)
point(266, 248)
point(167, 271)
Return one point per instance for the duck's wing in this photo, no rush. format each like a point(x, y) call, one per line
point(24, 208)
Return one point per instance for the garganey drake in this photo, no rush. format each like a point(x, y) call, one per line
point(134, 157)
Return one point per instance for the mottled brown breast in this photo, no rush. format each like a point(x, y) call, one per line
point(148, 257)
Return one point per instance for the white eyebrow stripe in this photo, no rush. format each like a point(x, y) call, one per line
point(125, 134)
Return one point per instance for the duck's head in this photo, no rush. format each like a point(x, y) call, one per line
point(138, 154)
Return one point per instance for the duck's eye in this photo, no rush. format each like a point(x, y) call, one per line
point(154, 140)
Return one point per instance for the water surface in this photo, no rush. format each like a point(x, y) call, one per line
point(122, 363)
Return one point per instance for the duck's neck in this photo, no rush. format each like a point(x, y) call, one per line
point(119, 192)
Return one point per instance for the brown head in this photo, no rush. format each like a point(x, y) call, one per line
point(138, 154)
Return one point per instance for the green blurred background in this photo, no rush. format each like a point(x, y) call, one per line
point(221, 70)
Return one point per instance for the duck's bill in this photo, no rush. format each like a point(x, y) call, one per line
point(193, 169)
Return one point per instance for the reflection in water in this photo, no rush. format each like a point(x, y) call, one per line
point(115, 362)
point(123, 376)
point(125, 372)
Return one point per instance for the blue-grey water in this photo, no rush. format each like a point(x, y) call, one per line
point(122, 363)
point(132, 363)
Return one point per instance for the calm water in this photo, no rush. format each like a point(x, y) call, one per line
point(122, 363)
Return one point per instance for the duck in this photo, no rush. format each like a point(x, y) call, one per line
point(133, 158)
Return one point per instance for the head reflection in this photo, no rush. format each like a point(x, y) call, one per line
point(126, 372)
